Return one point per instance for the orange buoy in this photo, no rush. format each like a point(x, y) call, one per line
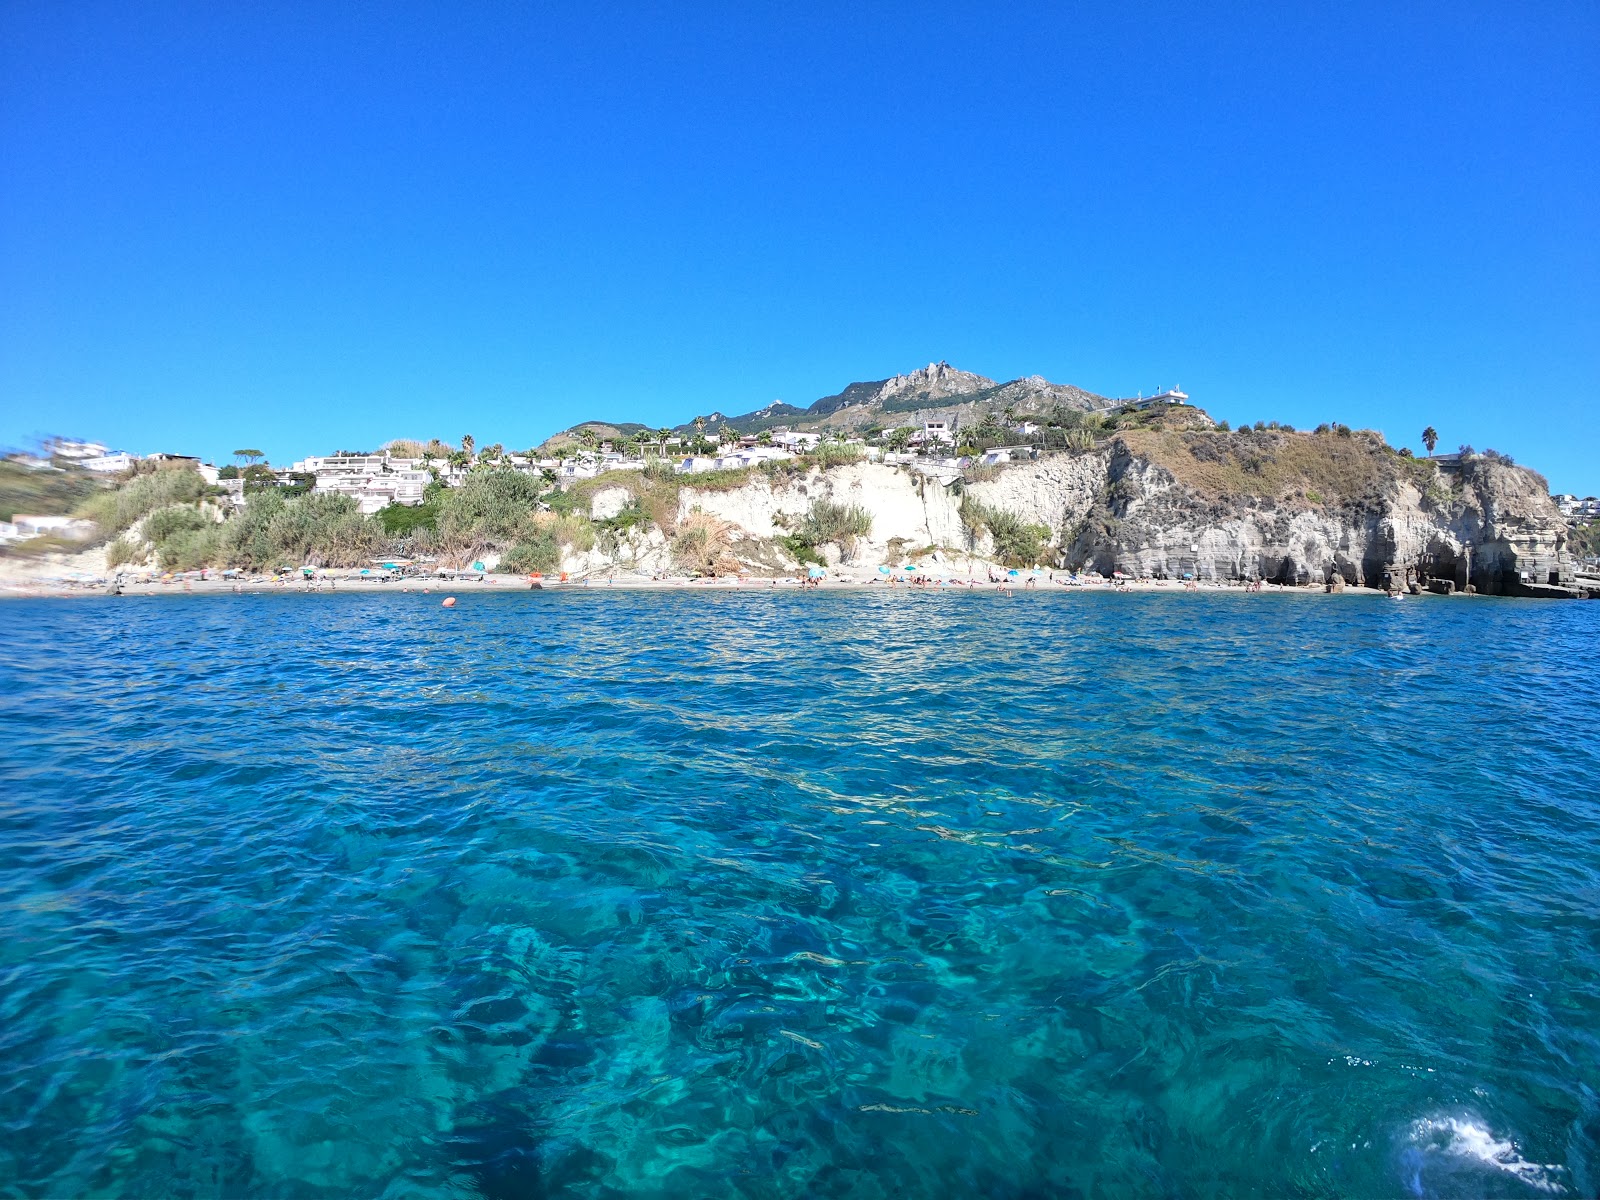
point(448, 602)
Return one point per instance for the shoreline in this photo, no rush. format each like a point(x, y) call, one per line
point(501, 584)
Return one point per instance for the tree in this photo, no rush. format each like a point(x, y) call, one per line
point(249, 456)
point(467, 444)
point(662, 435)
point(588, 437)
point(1430, 438)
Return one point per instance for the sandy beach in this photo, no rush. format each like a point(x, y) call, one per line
point(17, 584)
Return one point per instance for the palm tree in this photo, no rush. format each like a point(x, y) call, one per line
point(1430, 438)
point(662, 435)
point(588, 437)
point(467, 444)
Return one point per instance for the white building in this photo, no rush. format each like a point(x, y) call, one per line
point(113, 463)
point(578, 468)
point(68, 448)
point(934, 433)
point(734, 460)
point(1576, 510)
point(376, 490)
point(1006, 454)
point(795, 441)
point(374, 481)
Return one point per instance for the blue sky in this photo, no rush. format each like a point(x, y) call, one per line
point(305, 227)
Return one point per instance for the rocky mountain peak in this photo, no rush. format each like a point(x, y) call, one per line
point(936, 380)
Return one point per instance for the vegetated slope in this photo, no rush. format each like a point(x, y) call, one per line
point(935, 392)
point(45, 493)
point(1153, 492)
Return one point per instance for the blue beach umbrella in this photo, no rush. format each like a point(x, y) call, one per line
point(883, 570)
point(1013, 571)
point(816, 572)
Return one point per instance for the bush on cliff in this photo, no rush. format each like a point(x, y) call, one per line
point(704, 544)
point(115, 511)
point(1017, 543)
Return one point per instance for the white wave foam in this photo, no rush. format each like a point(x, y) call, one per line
point(1463, 1137)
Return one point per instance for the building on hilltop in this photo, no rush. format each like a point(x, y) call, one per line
point(374, 481)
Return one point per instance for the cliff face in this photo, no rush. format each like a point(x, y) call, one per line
point(1295, 508)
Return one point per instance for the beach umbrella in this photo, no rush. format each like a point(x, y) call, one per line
point(908, 567)
point(478, 566)
point(1013, 571)
point(883, 570)
point(816, 572)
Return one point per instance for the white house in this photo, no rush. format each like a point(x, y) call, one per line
point(376, 490)
point(374, 481)
point(67, 448)
point(1006, 454)
point(113, 463)
point(799, 443)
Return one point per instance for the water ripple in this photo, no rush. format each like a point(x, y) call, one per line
point(667, 895)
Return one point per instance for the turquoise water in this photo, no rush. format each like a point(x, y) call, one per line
point(892, 895)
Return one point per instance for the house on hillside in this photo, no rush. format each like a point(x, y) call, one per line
point(374, 481)
point(796, 442)
point(112, 463)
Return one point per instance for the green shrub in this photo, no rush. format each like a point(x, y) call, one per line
point(491, 508)
point(116, 510)
point(320, 530)
point(191, 548)
point(538, 551)
point(834, 454)
point(830, 522)
point(167, 522)
point(826, 522)
point(1016, 542)
point(401, 520)
point(122, 551)
point(800, 549)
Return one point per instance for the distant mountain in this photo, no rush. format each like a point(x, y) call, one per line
point(936, 392)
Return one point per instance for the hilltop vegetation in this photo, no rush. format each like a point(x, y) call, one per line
point(45, 492)
point(1332, 466)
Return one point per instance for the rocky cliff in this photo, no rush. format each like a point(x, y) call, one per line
point(1288, 507)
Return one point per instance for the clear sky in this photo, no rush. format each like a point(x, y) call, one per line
point(303, 227)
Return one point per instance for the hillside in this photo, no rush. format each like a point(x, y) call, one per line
point(937, 392)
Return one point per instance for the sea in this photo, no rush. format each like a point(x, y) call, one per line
point(750, 893)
